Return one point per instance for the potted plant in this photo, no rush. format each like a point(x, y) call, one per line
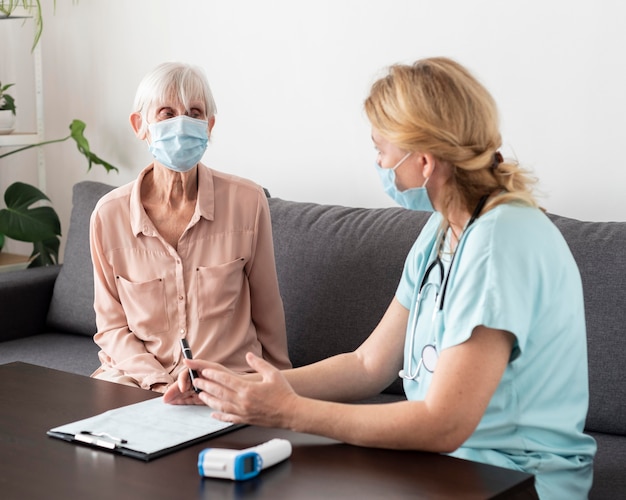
point(7, 110)
point(37, 225)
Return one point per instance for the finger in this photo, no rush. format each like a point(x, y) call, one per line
point(222, 410)
point(184, 382)
point(172, 394)
point(222, 389)
point(218, 374)
point(227, 417)
point(183, 399)
point(260, 366)
point(198, 364)
point(218, 383)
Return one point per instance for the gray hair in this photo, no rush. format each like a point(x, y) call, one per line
point(185, 81)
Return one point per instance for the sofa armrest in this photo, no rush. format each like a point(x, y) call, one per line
point(24, 300)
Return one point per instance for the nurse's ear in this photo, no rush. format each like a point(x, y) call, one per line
point(427, 163)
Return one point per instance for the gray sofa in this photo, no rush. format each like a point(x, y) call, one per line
point(338, 268)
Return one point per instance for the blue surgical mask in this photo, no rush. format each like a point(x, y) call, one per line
point(413, 198)
point(179, 143)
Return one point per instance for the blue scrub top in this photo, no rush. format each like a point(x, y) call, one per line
point(512, 271)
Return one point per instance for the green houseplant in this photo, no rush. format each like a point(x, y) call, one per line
point(8, 8)
point(7, 103)
point(40, 225)
point(7, 109)
point(24, 218)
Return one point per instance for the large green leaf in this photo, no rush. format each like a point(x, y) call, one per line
point(20, 222)
point(46, 252)
point(77, 129)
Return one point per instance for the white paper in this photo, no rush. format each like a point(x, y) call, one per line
point(151, 425)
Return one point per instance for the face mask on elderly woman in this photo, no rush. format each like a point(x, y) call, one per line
point(411, 199)
point(179, 142)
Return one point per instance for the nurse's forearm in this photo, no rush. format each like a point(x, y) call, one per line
point(339, 378)
point(402, 425)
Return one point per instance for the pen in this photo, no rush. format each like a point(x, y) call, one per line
point(187, 355)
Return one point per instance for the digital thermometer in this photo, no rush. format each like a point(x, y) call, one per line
point(242, 464)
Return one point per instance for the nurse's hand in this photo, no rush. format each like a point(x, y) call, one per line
point(263, 399)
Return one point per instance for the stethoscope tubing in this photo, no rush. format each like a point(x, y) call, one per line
point(440, 296)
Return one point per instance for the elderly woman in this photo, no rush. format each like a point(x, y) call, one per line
point(487, 326)
point(184, 251)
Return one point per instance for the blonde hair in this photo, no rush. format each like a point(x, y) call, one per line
point(174, 79)
point(435, 105)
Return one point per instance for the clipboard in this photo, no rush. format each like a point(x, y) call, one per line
point(145, 430)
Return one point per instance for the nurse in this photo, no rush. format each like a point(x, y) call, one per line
point(487, 325)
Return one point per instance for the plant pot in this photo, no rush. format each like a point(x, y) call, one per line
point(7, 121)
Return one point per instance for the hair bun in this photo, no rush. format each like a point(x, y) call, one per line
point(497, 159)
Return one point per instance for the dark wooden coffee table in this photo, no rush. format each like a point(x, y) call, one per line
point(34, 399)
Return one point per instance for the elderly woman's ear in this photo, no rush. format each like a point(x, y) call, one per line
point(136, 122)
point(211, 124)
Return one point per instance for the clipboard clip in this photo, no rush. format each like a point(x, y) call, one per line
point(100, 439)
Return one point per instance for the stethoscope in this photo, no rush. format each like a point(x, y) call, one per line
point(429, 356)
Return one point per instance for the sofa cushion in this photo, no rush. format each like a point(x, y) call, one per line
point(350, 260)
point(68, 353)
point(71, 307)
point(24, 300)
point(609, 480)
point(599, 250)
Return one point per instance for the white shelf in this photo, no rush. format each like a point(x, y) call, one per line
point(17, 139)
point(20, 138)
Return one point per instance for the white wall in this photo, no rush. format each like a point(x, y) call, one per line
point(289, 78)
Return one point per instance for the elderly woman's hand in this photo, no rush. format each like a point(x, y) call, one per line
point(181, 392)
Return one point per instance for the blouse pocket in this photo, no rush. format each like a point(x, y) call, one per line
point(219, 288)
point(145, 306)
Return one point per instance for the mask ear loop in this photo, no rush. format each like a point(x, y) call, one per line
point(145, 121)
point(401, 161)
point(475, 215)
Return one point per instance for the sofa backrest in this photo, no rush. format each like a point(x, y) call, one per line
point(600, 252)
point(71, 308)
point(338, 270)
